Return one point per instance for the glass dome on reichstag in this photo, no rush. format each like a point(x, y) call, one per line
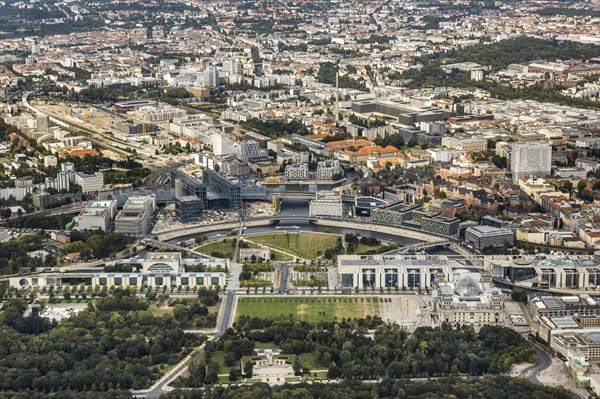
point(467, 287)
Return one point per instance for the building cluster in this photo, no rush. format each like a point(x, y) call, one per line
point(134, 218)
point(555, 272)
point(570, 325)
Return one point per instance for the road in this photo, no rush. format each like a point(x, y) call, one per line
point(226, 315)
point(284, 278)
point(165, 245)
point(162, 385)
point(531, 372)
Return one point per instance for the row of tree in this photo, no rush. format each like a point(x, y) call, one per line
point(490, 387)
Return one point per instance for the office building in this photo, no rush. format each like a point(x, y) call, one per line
point(136, 215)
point(414, 217)
point(43, 122)
point(160, 113)
point(530, 159)
point(233, 68)
point(90, 184)
point(327, 169)
point(97, 215)
point(406, 114)
point(465, 144)
point(382, 271)
point(250, 151)
point(482, 237)
point(188, 207)
point(548, 272)
point(186, 185)
point(224, 188)
point(211, 76)
point(160, 269)
point(296, 172)
point(326, 204)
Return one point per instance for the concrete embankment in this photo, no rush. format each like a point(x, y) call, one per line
point(403, 232)
point(188, 231)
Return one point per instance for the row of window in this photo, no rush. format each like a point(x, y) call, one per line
point(159, 281)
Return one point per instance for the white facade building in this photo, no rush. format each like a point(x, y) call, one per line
point(296, 172)
point(97, 215)
point(327, 204)
point(530, 158)
point(409, 271)
point(327, 169)
point(90, 183)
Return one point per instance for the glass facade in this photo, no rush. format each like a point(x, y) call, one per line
point(413, 278)
point(368, 277)
point(391, 277)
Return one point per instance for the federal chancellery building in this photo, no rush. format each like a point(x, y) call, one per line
point(160, 269)
point(155, 269)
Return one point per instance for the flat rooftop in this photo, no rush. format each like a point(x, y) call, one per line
point(163, 256)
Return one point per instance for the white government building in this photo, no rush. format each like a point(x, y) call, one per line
point(382, 271)
point(166, 269)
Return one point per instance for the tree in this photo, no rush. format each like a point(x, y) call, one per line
point(5, 213)
point(233, 375)
point(248, 369)
point(297, 366)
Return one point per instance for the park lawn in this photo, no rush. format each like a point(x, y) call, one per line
point(219, 357)
point(160, 310)
point(303, 244)
point(265, 345)
point(320, 375)
point(307, 361)
point(281, 256)
point(222, 246)
point(362, 248)
point(312, 309)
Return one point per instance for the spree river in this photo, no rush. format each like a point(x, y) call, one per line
point(295, 207)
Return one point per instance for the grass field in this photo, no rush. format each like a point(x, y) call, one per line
point(307, 360)
point(311, 309)
point(362, 248)
point(223, 247)
point(304, 245)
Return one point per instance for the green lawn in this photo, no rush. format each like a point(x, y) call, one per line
point(362, 248)
point(222, 246)
point(307, 361)
point(264, 345)
point(311, 309)
point(281, 255)
point(223, 368)
point(303, 244)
